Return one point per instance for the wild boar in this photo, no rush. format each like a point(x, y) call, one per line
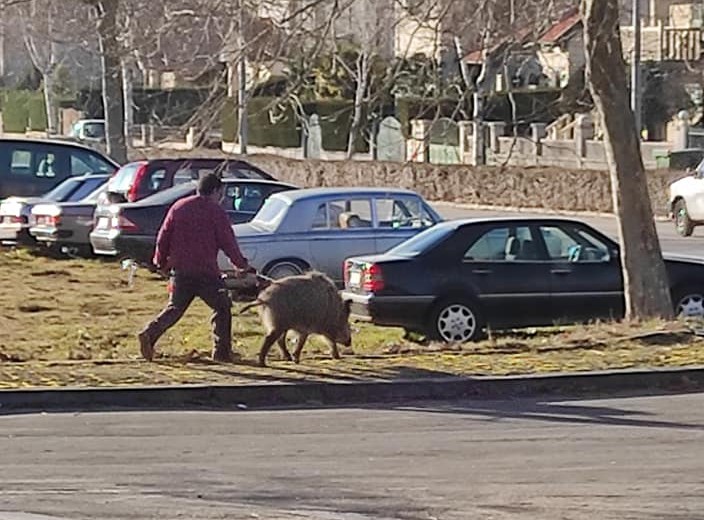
point(307, 304)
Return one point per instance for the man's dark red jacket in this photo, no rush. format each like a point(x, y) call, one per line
point(194, 230)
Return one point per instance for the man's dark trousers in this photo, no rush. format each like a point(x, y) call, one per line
point(184, 289)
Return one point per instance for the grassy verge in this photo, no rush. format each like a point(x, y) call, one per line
point(73, 322)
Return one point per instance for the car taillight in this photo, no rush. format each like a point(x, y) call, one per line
point(133, 192)
point(123, 224)
point(16, 220)
point(345, 272)
point(373, 279)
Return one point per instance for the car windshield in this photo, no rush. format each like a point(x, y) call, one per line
point(271, 213)
point(88, 186)
point(93, 196)
point(170, 195)
point(64, 190)
point(422, 241)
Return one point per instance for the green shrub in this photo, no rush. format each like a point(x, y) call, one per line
point(36, 111)
point(228, 119)
point(15, 114)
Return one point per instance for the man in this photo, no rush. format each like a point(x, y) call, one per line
point(195, 229)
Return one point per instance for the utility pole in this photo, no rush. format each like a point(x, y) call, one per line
point(635, 69)
point(242, 82)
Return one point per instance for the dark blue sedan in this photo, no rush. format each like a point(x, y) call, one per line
point(461, 277)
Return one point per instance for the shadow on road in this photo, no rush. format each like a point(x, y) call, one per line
point(556, 412)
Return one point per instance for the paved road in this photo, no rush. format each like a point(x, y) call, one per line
point(637, 458)
point(669, 240)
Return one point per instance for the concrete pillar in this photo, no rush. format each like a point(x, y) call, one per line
point(680, 140)
point(420, 142)
point(497, 129)
point(538, 132)
point(583, 131)
point(465, 132)
point(478, 144)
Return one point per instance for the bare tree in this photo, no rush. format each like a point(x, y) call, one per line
point(40, 39)
point(645, 277)
point(111, 52)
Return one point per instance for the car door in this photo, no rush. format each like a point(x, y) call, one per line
point(692, 188)
point(508, 268)
point(585, 273)
point(398, 218)
point(342, 227)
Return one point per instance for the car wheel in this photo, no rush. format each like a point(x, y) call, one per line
point(284, 268)
point(683, 224)
point(689, 303)
point(456, 320)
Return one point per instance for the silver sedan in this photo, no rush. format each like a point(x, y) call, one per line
point(318, 228)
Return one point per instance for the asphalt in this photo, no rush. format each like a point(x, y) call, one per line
point(632, 458)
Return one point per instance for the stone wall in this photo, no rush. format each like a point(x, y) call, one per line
point(526, 187)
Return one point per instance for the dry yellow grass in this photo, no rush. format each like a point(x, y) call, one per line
point(73, 322)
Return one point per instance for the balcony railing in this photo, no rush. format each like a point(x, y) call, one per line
point(660, 43)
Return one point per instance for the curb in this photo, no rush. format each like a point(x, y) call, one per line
point(521, 209)
point(680, 380)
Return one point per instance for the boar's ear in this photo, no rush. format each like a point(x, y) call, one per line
point(347, 305)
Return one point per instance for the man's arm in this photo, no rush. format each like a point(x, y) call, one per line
point(163, 242)
point(227, 241)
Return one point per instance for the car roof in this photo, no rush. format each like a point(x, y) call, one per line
point(315, 193)
point(240, 180)
point(56, 142)
point(456, 223)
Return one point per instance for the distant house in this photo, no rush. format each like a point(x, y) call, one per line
point(561, 49)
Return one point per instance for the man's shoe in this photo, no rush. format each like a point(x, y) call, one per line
point(146, 346)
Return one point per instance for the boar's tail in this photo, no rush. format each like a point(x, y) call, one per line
point(255, 303)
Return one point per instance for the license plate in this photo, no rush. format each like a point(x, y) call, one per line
point(355, 278)
point(103, 223)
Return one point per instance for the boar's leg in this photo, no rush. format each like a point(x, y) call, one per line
point(333, 348)
point(284, 349)
point(301, 340)
point(269, 340)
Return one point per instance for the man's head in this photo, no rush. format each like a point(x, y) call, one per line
point(210, 186)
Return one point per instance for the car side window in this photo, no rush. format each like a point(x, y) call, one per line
point(242, 197)
point(504, 244)
point(571, 244)
point(21, 162)
point(401, 213)
point(343, 214)
point(83, 161)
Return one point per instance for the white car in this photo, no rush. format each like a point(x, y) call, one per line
point(687, 201)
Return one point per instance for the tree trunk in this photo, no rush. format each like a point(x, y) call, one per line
point(360, 90)
point(645, 280)
point(51, 115)
point(113, 99)
point(127, 92)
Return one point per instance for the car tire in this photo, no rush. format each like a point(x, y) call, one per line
point(283, 268)
point(683, 224)
point(689, 302)
point(456, 320)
